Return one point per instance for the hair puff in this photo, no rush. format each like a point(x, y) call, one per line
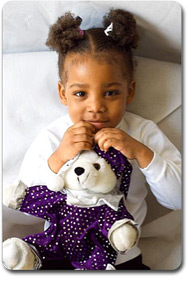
point(64, 34)
point(124, 28)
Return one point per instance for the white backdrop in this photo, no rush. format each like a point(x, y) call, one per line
point(30, 74)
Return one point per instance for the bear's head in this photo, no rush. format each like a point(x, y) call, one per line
point(88, 171)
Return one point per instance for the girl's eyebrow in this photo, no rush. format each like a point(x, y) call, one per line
point(85, 85)
point(107, 85)
point(80, 85)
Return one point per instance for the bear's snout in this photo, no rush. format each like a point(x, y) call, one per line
point(79, 171)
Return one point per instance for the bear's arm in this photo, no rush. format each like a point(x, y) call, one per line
point(41, 202)
point(108, 217)
point(36, 200)
point(111, 220)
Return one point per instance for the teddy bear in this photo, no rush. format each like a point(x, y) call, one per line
point(85, 213)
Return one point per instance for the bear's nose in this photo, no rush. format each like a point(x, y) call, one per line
point(79, 171)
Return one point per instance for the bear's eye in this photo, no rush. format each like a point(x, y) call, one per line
point(96, 166)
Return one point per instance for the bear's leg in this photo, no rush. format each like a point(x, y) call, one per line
point(18, 255)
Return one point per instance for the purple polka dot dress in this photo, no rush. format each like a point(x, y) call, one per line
point(78, 234)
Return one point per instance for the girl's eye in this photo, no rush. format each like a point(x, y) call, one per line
point(80, 94)
point(111, 93)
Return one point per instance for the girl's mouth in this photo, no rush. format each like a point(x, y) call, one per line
point(98, 124)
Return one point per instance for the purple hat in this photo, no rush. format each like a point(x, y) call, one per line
point(119, 164)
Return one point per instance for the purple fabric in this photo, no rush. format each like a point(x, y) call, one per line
point(76, 233)
point(119, 164)
point(79, 234)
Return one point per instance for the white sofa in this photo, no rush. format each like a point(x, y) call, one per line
point(30, 99)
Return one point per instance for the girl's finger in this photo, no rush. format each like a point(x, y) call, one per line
point(107, 144)
point(105, 131)
point(84, 124)
point(83, 146)
point(83, 138)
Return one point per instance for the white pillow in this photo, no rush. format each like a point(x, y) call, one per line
point(30, 99)
point(158, 90)
point(26, 24)
point(30, 102)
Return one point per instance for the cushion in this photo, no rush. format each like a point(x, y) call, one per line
point(30, 102)
point(26, 24)
point(30, 99)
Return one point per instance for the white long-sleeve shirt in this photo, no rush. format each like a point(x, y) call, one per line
point(163, 174)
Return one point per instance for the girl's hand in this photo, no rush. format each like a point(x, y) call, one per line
point(77, 138)
point(127, 145)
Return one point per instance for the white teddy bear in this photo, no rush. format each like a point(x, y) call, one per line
point(88, 222)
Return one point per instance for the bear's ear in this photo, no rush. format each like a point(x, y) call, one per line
point(56, 183)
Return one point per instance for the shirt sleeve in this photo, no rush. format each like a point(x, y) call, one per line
point(34, 169)
point(163, 174)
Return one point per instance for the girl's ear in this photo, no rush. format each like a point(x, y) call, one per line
point(62, 95)
point(131, 92)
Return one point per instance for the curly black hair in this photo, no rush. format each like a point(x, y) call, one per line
point(65, 36)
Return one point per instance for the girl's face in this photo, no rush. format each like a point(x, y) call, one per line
point(95, 91)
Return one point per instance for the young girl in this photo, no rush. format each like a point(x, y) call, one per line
point(96, 71)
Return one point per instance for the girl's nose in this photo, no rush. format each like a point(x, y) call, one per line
point(96, 106)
